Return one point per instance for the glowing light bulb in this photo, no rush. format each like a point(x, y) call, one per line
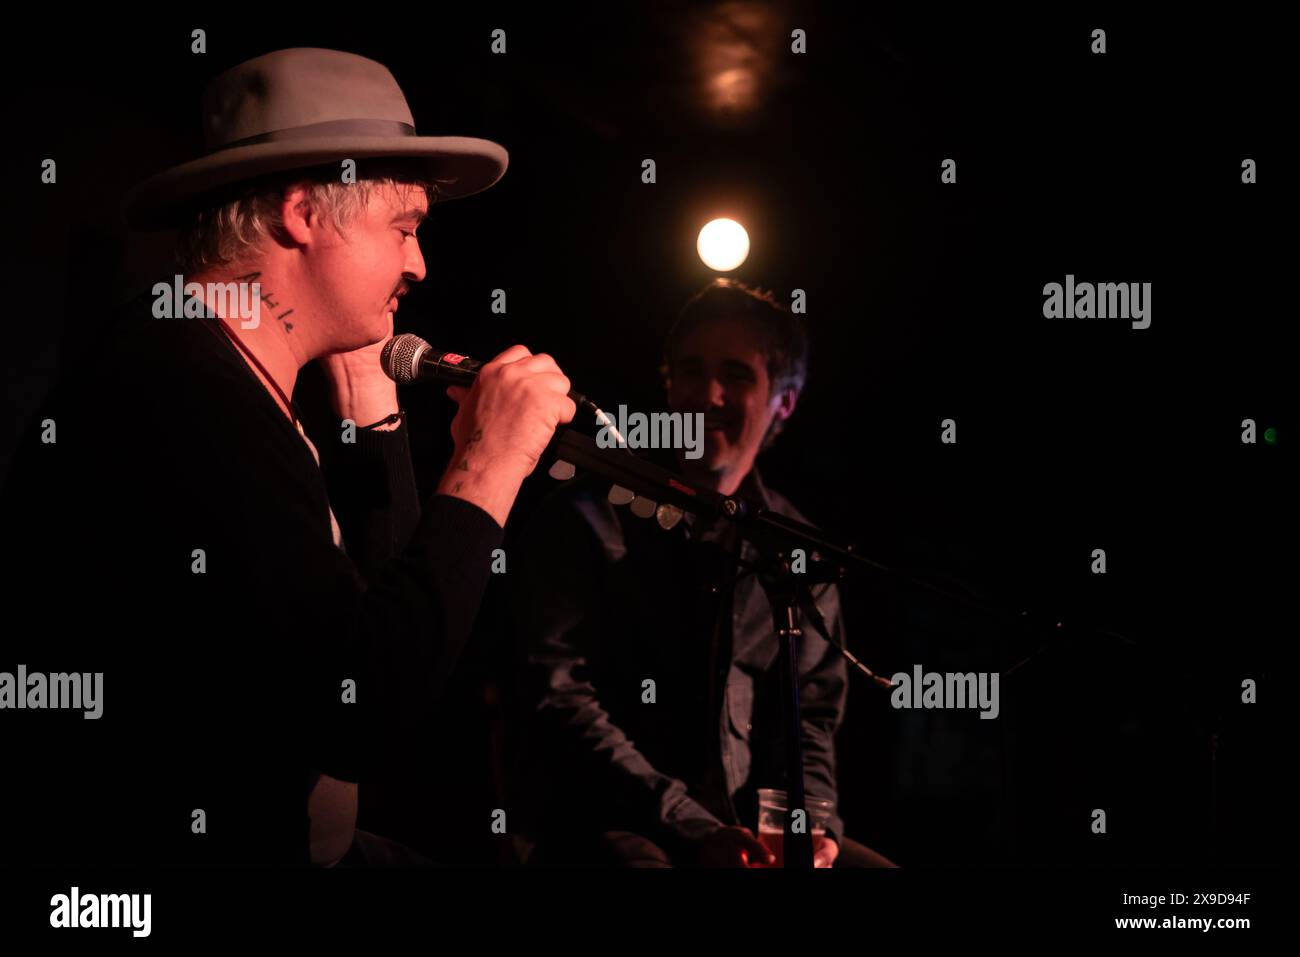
point(723, 244)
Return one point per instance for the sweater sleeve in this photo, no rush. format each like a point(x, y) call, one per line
point(373, 492)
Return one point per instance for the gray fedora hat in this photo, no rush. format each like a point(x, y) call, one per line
point(305, 107)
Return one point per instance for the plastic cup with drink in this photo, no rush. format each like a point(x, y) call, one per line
point(772, 811)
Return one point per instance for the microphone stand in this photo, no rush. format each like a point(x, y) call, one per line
point(787, 592)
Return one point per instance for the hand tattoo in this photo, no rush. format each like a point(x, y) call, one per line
point(463, 465)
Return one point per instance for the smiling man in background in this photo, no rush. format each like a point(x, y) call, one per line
point(604, 601)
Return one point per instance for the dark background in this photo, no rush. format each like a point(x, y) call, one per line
point(924, 302)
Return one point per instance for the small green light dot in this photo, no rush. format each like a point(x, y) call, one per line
point(1270, 436)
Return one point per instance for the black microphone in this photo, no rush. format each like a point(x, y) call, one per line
point(408, 358)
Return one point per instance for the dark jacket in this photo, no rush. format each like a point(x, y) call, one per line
point(604, 601)
point(223, 690)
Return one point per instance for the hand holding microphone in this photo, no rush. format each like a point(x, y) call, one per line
point(509, 409)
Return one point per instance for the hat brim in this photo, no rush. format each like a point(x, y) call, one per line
point(462, 165)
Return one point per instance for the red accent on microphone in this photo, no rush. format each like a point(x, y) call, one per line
point(452, 358)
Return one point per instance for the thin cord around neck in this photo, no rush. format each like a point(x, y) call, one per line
point(230, 333)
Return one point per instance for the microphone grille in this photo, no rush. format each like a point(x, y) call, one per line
point(401, 357)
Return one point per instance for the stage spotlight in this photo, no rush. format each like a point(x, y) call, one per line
point(723, 244)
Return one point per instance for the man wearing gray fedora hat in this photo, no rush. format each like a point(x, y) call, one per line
point(279, 613)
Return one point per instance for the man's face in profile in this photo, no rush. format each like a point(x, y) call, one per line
point(361, 275)
point(720, 369)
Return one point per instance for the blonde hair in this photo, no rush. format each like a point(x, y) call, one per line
point(234, 229)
